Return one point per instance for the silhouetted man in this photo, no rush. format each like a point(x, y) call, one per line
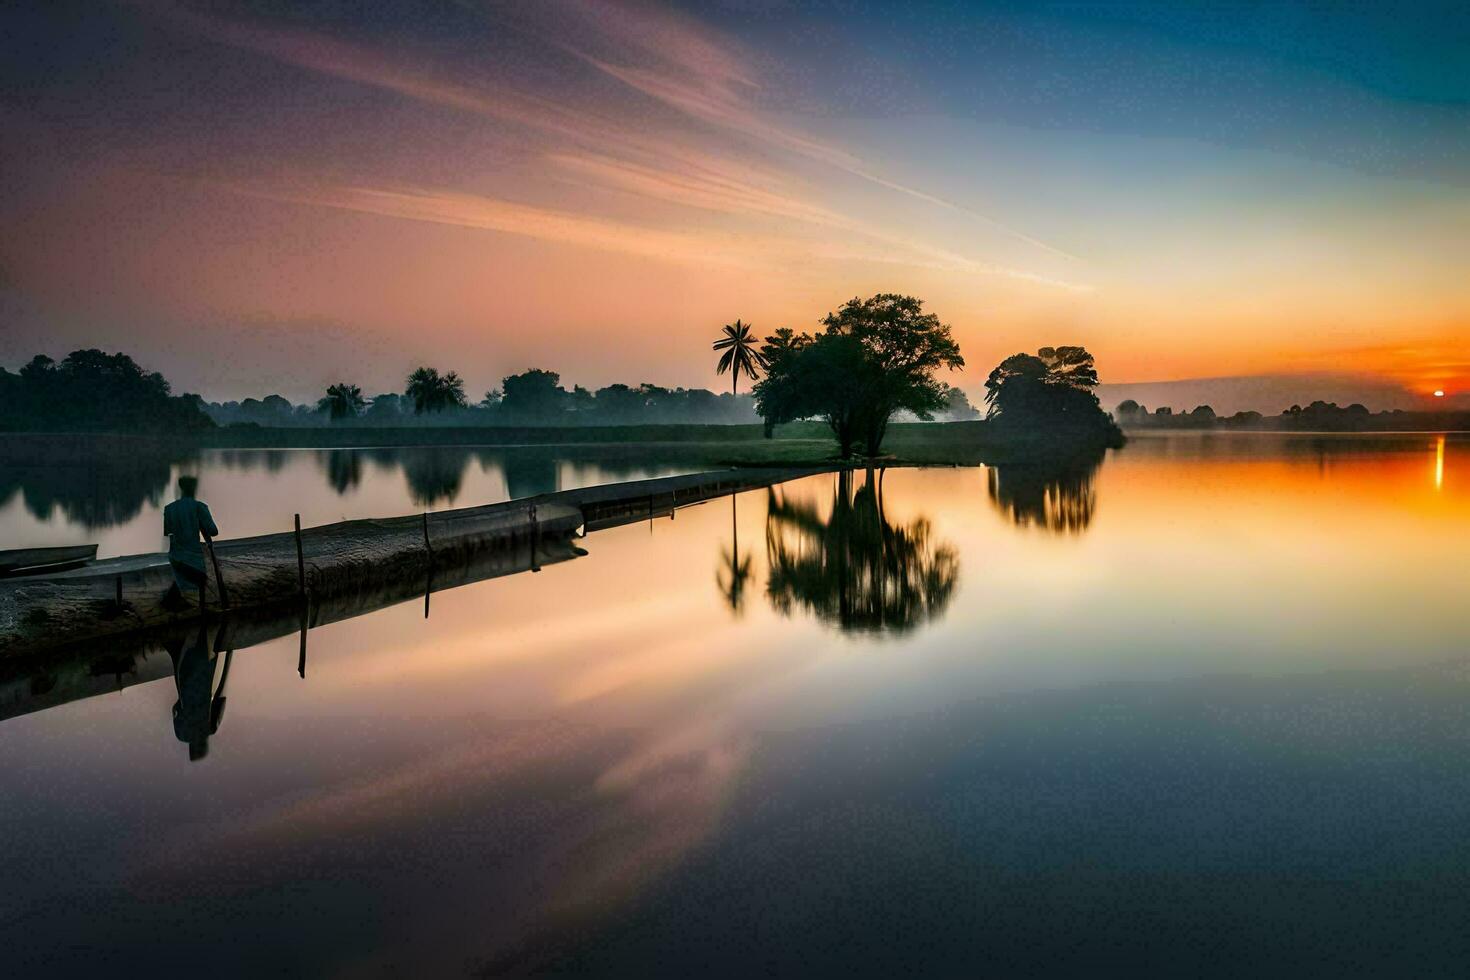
point(183, 521)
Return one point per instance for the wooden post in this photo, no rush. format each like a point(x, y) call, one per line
point(301, 658)
point(429, 577)
point(535, 537)
point(300, 565)
point(224, 596)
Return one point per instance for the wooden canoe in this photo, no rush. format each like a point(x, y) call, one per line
point(35, 561)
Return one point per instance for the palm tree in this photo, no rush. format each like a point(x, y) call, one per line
point(432, 392)
point(741, 355)
point(342, 401)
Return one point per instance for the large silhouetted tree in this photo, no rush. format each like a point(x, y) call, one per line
point(877, 356)
point(534, 396)
point(903, 347)
point(1050, 395)
point(432, 392)
point(342, 401)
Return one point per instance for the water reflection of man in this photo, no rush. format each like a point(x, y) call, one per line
point(200, 708)
point(183, 521)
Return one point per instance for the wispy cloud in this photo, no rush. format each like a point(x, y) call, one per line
point(696, 188)
point(701, 79)
point(606, 145)
point(732, 115)
point(770, 250)
point(496, 214)
point(701, 248)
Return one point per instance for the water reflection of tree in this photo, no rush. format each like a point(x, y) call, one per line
point(344, 468)
point(529, 473)
point(855, 567)
point(434, 475)
point(1056, 496)
point(102, 491)
point(735, 569)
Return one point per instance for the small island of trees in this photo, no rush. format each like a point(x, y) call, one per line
point(881, 355)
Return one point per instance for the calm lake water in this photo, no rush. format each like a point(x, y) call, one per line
point(117, 501)
point(1202, 709)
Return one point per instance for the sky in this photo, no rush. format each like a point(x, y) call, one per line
point(261, 197)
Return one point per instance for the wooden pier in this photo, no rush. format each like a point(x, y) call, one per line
point(330, 564)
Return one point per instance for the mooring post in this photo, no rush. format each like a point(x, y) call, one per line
point(300, 570)
point(428, 545)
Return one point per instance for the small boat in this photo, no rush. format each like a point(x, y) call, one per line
point(37, 561)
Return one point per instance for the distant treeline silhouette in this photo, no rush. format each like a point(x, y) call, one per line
point(534, 397)
point(1319, 416)
point(93, 391)
point(875, 361)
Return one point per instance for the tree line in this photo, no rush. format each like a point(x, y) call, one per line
point(94, 391)
point(534, 397)
point(874, 360)
point(1319, 416)
point(879, 386)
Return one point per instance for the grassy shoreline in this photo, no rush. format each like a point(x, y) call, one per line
point(937, 443)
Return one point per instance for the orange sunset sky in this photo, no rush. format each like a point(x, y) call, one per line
point(262, 197)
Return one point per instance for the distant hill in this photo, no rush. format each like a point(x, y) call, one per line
point(1269, 394)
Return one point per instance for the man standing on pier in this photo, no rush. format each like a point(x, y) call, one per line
point(183, 521)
